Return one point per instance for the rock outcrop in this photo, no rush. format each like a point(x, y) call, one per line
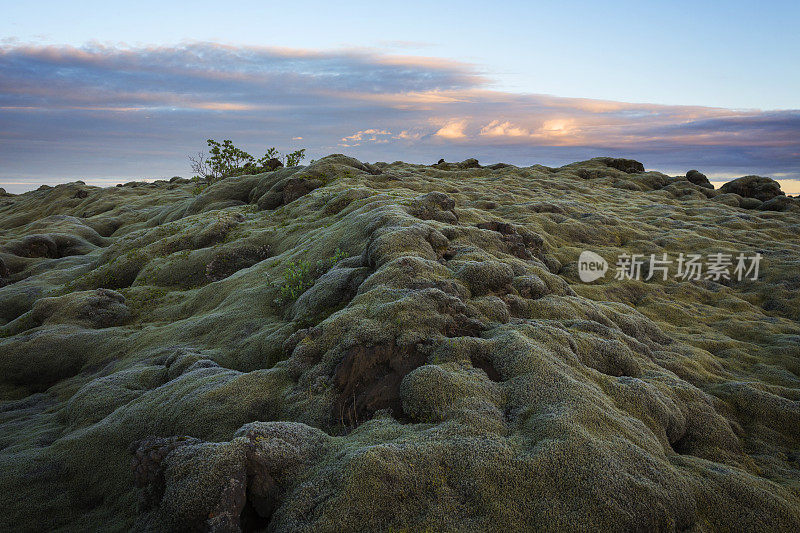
point(698, 178)
point(757, 187)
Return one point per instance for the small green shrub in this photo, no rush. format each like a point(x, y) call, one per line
point(297, 278)
point(300, 275)
point(294, 159)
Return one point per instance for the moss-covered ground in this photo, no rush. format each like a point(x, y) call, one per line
point(388, 347)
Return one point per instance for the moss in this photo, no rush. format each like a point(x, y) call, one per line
point(492, 389)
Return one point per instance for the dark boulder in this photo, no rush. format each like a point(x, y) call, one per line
point(781, 203)
point(629, 166)
point(468, 163)
point(698, 178)
point(463, 165)
point(757, 187)
point(273, 164)
point(751, 203)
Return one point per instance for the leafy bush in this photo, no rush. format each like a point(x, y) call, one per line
point(294, 159)
point(297, 278)
point(225, 160)
point(300, 275)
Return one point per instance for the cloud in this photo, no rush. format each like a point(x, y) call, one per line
point(503, 129)
point(452, 130)
point(372, 134)
point(100, 111)
point(409, 135)
point(208, 76)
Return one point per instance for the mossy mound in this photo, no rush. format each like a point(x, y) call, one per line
point(355, 347)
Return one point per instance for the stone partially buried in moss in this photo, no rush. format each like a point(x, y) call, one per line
point(757, 187)
point(100, 308)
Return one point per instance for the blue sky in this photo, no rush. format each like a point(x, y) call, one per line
point(111, 90)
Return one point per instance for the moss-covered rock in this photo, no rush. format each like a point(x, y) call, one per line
point(698, 178)
point(354, 347)
point(757, 187)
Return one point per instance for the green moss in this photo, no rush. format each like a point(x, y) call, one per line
point(494, 389)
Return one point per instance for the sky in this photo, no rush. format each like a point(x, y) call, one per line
point(113, 91)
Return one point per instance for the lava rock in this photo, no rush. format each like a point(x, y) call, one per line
point(698, 178)
point(780, 203)
point(629, 166)
point(434, 206)
point(757, 187)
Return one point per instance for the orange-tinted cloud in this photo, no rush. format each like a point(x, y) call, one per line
point(452, 130)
